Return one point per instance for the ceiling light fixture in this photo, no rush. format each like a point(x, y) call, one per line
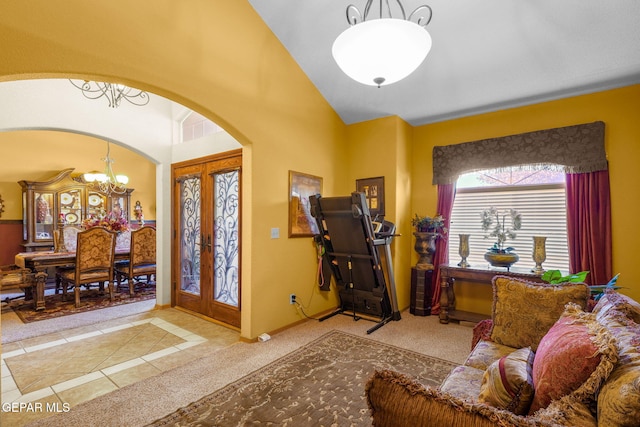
point(108, 182)
point(383, 50)
point(114, 93)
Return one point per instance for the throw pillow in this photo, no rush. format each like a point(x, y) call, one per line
point(523, 312)
point(612, 300)
point(619, 397)
point(507, 383)
point(573, 358)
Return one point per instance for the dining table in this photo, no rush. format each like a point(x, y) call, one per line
point(40, 261)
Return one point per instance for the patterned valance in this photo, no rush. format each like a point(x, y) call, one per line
point(573, 149)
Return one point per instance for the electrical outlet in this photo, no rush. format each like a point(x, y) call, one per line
point(292, 299)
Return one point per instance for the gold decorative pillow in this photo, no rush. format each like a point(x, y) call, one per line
point(507, 383)
point(523, 312)
point(619, 396)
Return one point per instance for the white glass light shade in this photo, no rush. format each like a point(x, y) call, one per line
point(388, 49)
point(101, 177)
point(122, 179)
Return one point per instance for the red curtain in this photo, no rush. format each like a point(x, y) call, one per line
point(446, 195)
point(589, 225)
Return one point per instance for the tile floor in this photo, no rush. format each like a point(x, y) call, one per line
point(54, 372)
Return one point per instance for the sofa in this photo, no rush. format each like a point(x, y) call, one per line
point(543, 359)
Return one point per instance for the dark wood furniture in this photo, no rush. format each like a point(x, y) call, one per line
point(65, 197)
point(39, 262)
point(421, 291)
point(95, 257)
point(142, 258)
point(449, 273)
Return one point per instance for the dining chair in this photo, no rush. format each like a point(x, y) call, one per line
point(70, 238)
point(15, 277)
point(142, 258)
point(95, 253)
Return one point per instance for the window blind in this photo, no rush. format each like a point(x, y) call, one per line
point(544, 213)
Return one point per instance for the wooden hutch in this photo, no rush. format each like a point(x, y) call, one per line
point(67, 197)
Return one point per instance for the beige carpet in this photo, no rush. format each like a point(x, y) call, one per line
point(146, 401)
point(320, 384)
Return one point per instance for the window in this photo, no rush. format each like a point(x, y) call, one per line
point(196, 126)
point(538, 193)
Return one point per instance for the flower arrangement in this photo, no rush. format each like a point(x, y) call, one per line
point(429, 224)
point(110, 221)
point(501, 225)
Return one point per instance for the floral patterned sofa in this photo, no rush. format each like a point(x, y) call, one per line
point(544, 361)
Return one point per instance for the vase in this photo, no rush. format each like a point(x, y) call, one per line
point(425, 247)
point(497, 259)
point(463, 250)
point(539, 253)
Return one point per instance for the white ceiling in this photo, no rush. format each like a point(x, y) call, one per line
point(487, 55)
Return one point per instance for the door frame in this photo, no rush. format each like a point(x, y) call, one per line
point(175, 246)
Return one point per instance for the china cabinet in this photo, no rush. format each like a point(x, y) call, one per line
point(64, 199)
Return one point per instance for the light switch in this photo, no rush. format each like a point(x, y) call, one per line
point(275, 233)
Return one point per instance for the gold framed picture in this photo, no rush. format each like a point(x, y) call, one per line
point(373, 189)
point(301, 186)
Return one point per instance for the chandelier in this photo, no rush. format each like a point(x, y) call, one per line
point(114, 93)
point(107, 182)
point(383, 50)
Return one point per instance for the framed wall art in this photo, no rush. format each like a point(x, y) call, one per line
point(301, 186)
point(373, 188)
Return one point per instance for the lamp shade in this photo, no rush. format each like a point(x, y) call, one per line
point(381, 51)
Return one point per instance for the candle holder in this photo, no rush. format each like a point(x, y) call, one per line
point(463, 250)
point(539, 253)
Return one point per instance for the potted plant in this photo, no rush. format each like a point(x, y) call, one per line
point(427, 231)
point(429, 224)
point(501, 225)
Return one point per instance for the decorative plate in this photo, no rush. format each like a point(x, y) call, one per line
point(71, 218)
point(66, 199)
point(95, 200)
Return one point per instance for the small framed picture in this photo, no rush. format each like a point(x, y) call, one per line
point(301, 186)
point(373, 189)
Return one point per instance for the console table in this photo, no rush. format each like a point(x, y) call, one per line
point(479, 274)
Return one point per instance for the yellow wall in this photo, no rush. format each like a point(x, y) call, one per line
point(51, 151)
point(619, 110)
point(382, 148)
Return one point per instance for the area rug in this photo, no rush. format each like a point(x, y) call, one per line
point(320, 384)
point(90, 300)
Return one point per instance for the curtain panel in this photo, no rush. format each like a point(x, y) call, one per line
point(589, 225)
point(574, 149)
point(446, 196)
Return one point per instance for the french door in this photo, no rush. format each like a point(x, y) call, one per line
point(206, 243)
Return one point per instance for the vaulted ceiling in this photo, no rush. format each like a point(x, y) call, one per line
point(487, 55)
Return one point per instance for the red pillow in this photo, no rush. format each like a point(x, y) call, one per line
point(575, 354)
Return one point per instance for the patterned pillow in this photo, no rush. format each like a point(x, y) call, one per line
point(507, 383)
point(573, 358)
point(619, 397)
point(612, 300)
point(463, 382)
point(523, 312)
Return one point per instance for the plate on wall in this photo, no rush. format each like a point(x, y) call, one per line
point(66, 199)
point(71, 218)
point(95, 200)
